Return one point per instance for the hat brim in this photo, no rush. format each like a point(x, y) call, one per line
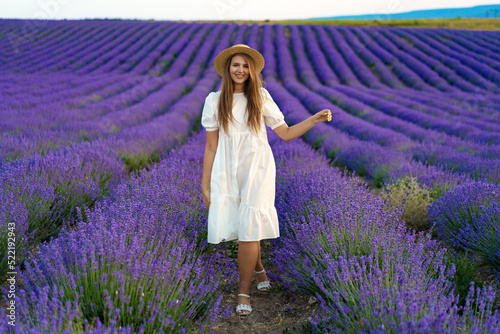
point(223, 56)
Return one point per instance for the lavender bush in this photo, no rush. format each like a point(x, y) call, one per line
point(468, 218)
point(42, 193)
point(435, 178)
point(413, 197)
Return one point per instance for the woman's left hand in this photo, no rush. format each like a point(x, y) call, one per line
point(206, 197)
point(323, 116)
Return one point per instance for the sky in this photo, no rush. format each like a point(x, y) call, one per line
point(188, 10)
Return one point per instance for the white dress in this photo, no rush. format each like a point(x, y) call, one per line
point(242, 187)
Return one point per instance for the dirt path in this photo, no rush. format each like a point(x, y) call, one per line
point(273, 312)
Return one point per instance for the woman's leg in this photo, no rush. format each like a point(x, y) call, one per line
point(247, 260)
point(259, 267)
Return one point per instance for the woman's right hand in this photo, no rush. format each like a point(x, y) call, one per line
point(206, 197)
point(324, 115)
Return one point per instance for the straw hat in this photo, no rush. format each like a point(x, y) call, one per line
point(220, 60)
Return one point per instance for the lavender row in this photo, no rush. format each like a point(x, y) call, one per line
point(465, 48)
point(366, 158)
point(68, 104)
point(357, 65)
point(423, 71)
point(159, 53)
point(121, 49)
point(485, 76)
point(448, 73)
point(76, 124)
point(468, 218)
point(468, 110)
point(40, 194)
point(114, 43)
point(176, 47)
point(404, 72)
point(116, 103)
point(419, 107)
point(310, 100)
point(82, 39)
point(20, 44)
point(169, 46)
point(429, 128)
point(367, 107)
point(339, 244)
point(385, 75)
point(158, 276)
point(78, 46)
point(491, 60)
point(471, 43)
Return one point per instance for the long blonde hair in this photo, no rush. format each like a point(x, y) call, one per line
point(253, 93)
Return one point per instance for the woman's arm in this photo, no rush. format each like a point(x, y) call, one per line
point(288, 133)
point(208, 161)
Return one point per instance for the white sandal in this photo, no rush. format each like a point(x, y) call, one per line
point(264, 285)
point(247, 309)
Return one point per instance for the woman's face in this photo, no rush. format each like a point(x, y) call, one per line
point(238, 69)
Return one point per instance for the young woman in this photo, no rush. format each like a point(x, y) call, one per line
point(239, 171)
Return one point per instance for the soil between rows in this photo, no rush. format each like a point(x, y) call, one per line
point(273, 312)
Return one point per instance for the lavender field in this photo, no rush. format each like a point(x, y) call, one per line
point(101, 159)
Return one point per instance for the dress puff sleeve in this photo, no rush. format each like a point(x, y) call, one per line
point(273, 117)
point(208, 118)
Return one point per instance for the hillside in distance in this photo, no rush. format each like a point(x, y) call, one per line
point(486, 11)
